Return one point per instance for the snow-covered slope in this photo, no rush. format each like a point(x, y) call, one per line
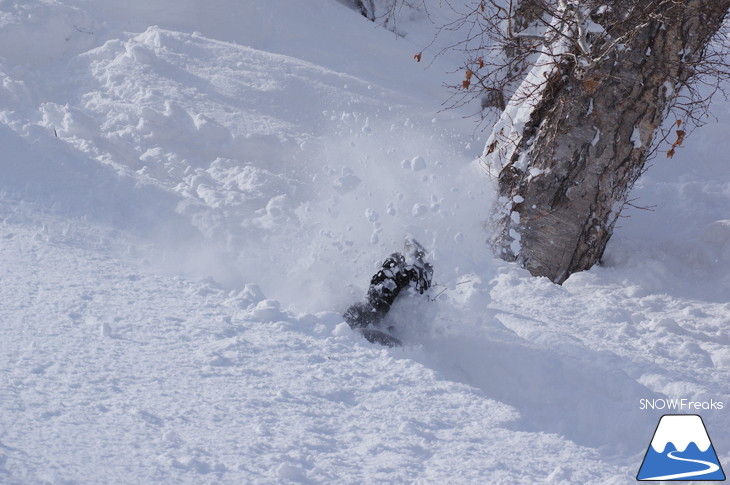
point(193, 191)
point(112, 375)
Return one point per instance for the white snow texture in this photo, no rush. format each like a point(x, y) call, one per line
point(191, 194)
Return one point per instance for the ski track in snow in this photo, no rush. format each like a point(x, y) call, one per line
point(187, 205)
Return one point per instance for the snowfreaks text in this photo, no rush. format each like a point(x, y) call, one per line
point(680, 404)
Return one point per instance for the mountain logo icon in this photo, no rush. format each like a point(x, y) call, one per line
point(681, 450)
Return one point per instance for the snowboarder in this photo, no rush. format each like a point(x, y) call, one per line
point(397, 273)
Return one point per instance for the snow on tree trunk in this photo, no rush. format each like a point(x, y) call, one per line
point(575, 136)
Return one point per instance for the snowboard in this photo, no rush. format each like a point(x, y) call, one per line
point(375, 336)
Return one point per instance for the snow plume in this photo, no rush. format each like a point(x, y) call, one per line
point(244, 151)
point(347, 202)
point(407, 177)
point(275, 166)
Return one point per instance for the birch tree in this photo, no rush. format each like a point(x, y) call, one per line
point(585, 88)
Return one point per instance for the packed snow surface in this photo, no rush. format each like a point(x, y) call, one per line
point(193, 192)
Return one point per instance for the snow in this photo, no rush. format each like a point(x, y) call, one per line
point(597, 138)
point(636, 137)
point(507, 132)
point(192, 192)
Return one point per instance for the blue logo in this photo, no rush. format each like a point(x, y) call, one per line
point(681, 450)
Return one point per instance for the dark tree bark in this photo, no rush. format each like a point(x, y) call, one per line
point(567, 174)
point(367, 8)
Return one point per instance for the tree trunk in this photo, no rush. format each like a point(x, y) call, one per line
point(585, 141)
point(367, 8)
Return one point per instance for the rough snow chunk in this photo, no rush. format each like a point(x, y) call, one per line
point(277, 206)
point(247, 298)
point(515, 247)
point(371, 215)
point(290, 472)
point(266, 311)
point(419, 210)
point(342, 330)
point(347, 182)
point(418, 163)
